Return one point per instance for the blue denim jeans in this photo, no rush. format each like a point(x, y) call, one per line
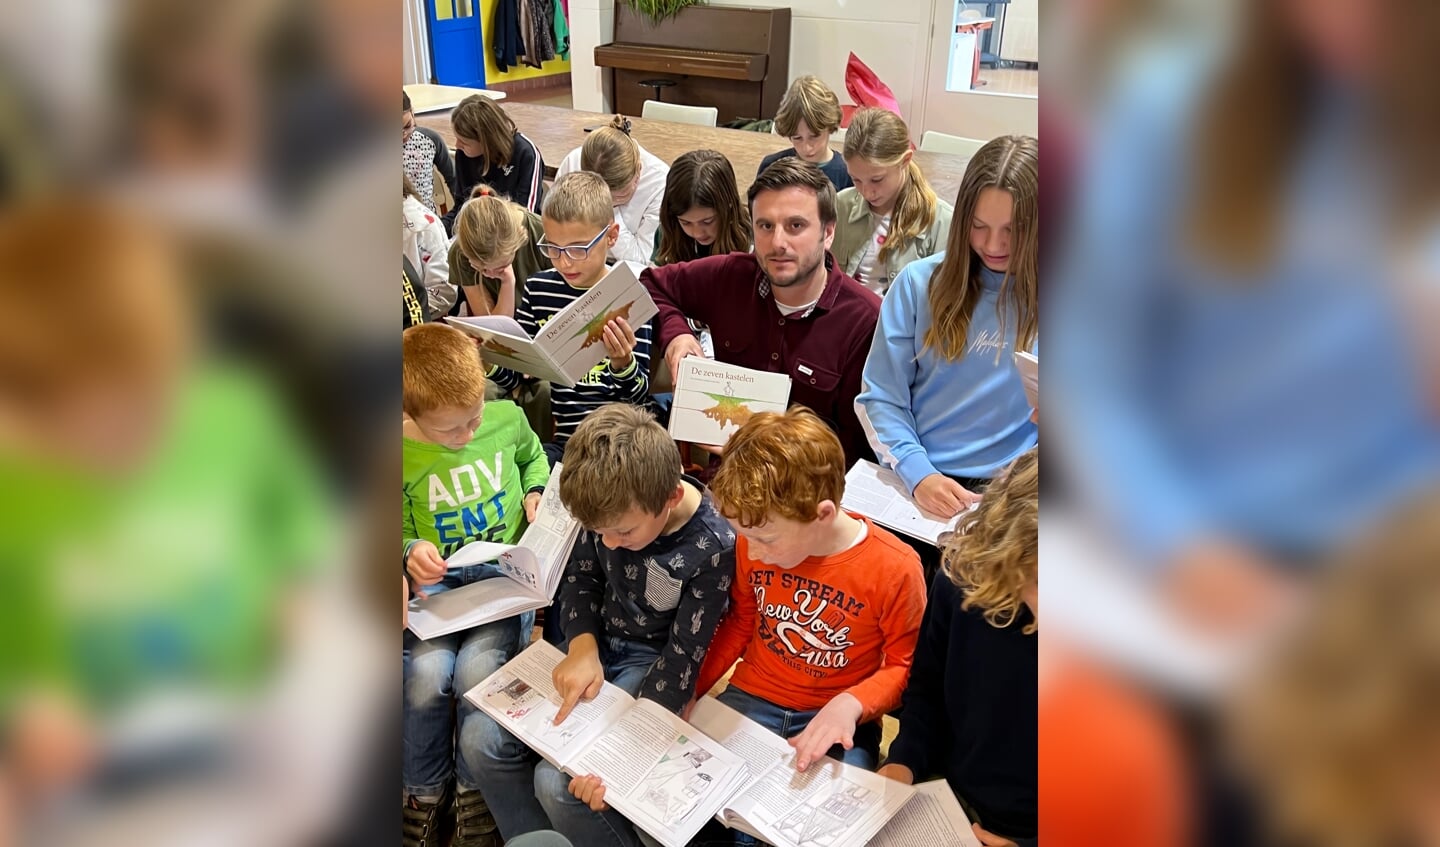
point(527, 793)
point(788, 723)
point(436, 673)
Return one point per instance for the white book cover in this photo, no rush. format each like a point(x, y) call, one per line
point(659, 771)
point(878, 493)
point(1029, 366)
point(532, 569)
point(830, 803)
point(713, 399)
point(933, 817)
point(571, 342)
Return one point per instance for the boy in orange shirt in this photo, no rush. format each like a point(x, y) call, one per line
point(826, 606)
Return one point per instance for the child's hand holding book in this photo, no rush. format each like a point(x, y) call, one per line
point(424, 564)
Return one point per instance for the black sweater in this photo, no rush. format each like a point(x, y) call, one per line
point(522, 180)
point(969, 712)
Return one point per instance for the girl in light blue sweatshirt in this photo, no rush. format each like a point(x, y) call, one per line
point(940, 386)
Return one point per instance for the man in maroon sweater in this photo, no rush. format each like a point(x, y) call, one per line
point(787, 307)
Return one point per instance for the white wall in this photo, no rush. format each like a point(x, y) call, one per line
point(893, 37)
point(417, 47)
point(592, 23)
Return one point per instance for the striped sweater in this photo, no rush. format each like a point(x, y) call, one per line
point(546, 294)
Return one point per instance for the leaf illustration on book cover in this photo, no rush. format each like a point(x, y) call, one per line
point(594, 329)
point(496, 347)
point(728, 409)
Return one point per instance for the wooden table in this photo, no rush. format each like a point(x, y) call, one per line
point(557, 131)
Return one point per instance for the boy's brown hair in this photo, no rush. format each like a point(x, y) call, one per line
point(619, 457)
point(779, 466)
point(579, 197)
point(441, 368)
point(995, 553)
point(809, 100)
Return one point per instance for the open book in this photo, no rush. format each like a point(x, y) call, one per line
point(571, 342)
point(660, 773)
point(877, 493)
point(533, 567)
point(933, 817)
point(831, 803)
point(713, 399)
point(1029, 367)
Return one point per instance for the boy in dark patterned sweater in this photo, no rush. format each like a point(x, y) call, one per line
point(644, 590)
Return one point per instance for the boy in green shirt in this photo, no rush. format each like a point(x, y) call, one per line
point(473, 471)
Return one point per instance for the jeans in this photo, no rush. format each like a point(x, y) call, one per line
point(526, 793)
point(787, 723)
point(436, 673)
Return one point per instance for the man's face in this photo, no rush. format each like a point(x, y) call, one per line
point(790, 242)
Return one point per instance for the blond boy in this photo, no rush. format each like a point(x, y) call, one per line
point(580, 227)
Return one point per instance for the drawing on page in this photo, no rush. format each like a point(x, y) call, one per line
point(553, 509)
point(557, 736)
point(515, 571)
point(677, 780)
point(496, 347)
point(825, 816)
point(673, 809)
point(514, 697)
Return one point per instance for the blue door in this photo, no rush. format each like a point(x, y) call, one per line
point(455, 42)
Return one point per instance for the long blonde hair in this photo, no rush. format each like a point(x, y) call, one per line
point(1253, 121)
point(880, 137)
point(612, 153)
point(995, 552)
point(1010, 163)
point(489, 227)
point(1337, 726)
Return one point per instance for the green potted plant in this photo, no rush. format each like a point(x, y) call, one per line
point(659, 10)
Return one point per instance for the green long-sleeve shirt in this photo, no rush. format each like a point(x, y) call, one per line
point(477, 493)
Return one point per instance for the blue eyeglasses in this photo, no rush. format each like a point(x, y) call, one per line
point(574, 252)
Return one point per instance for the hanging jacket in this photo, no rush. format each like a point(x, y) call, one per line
point(562, 29)
point(505, 37)
point(536, 22)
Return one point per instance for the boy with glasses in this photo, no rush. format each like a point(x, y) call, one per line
point(579, 228)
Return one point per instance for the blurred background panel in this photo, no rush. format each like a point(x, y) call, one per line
point(198, 374)
point(1243, 248)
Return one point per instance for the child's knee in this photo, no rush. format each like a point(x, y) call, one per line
point(429, 679)
point(552, 788)
point(484, 741)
